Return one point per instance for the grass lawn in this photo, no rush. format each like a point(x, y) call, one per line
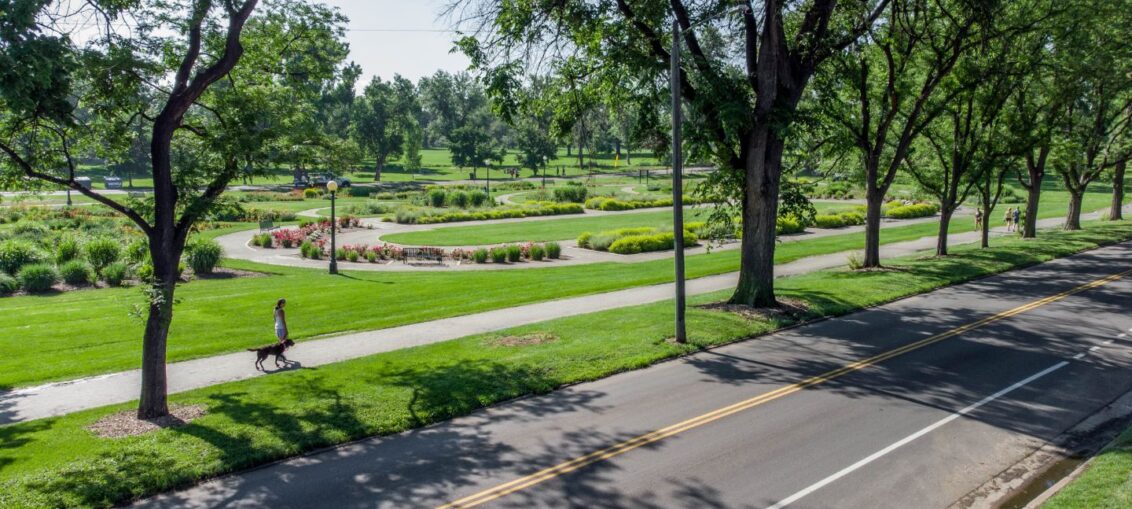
point(56, 462)
point(553, 229)
point(1106, 483)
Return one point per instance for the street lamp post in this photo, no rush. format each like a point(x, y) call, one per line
point(677, 187)
point(332, 186)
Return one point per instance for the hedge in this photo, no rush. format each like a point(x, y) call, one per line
point(897, 211)
point(413, 215)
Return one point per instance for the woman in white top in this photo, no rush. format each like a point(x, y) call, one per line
point(280, 320)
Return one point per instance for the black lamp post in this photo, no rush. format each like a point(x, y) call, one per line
point(332, 186)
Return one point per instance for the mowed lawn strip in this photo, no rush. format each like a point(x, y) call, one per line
point(1105, 484)
point(89, 332)
point(57, 462)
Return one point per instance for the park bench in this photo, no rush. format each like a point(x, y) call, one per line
point(266, 225)
point(424, 254)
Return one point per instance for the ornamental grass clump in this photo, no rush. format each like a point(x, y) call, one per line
point(102, 252)
point(479, 255)
point(537, 252)
point(204, 254)
point(499, 255)
point(15, 254)
point(76, 273)
point(115, 273)
point(38, 277)
point(514, 253)
point(553, 250)
point(8, 284)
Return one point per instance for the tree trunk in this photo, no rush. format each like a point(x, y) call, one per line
point(1073, 215)
point(581, 157)
point(1030, 222)
point(617, 148)
point(379, 165)
point(944, 225)
point(874, 199)
point(569, 149)
point(760, 213)
point(984, 228)
point(165, 250)
point(1115, 212)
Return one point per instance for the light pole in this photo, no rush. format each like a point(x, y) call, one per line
point(677, 187)
point(332, 186)
point(677, 174)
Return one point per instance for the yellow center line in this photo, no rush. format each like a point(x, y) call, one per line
point(695, 422)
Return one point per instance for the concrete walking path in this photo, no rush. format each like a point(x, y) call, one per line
point(71, 396)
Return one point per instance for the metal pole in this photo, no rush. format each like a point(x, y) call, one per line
point(677, 186)
point(333, 237)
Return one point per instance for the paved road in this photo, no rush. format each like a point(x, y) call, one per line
point(917, 430)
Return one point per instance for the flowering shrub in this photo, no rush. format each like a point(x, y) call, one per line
point(288, 238)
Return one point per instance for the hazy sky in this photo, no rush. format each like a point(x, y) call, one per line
point(403, 37)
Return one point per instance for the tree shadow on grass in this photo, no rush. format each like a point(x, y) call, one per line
point(12, 437)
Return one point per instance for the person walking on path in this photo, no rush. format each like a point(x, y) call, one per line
point(1016, 220)
point(281, 320)
point(978, 218)
point(1009, 219)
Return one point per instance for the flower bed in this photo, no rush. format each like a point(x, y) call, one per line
point(363, 253)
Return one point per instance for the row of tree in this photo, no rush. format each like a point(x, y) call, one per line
point(957, 95)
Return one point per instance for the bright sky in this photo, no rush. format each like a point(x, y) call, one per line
point(405, 37)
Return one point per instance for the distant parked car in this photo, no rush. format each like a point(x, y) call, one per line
point(112, 182)
point(83, 181)
point(321, 179)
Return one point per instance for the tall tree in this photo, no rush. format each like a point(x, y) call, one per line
point(882, 90)
point(211, 83)
point(377, 124)
point(746, 99)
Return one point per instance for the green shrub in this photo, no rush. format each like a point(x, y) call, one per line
point(786, 225)
point(30, 229)
point(602, 241)
point(8, 284)
point(115, 273)
point(584, 240)
point(371, 256)
point(553, 250)
point(137, 251)
point(102, 252)
point(76, 272)
point(840, 220)
point(311, 193)
point(14, 254)
point(537, 252)
point(67, 249)
point(339, 254)
point(477, 198)
point(459, 199)
point(263, 240)
point(480, 255)
point(633, 244)
point(498, 255)
point(351, 255)
point(514, 253)
point(570, 193)
point(898, 211)
point(419, 215)
point(38, 277)
point(436, 197)
point(203, 255)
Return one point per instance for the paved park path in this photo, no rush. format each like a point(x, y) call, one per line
point(65, 397)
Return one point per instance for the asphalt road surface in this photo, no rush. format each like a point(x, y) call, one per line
point(909, 405)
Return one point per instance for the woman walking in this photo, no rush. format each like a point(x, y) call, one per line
point(1009, 219)
point(280, 320)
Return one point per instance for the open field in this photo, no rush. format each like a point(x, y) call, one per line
point(56, 461)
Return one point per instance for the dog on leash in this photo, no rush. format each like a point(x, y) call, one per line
point(276, 349)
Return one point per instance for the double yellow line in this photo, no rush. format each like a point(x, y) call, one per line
point(695, 422)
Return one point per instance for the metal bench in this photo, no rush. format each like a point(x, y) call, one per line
point(267, 225)
point(424, 254)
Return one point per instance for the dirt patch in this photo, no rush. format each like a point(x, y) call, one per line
point(126, 423)
point(786, 308)
point(534, 338)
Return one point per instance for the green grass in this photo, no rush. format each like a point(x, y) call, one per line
point(550, 229)
point(1105, 484)
point(56, 462)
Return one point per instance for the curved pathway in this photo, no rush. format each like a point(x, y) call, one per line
point(236, 245)
point(71, 396)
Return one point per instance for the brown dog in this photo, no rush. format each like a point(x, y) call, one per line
point(276, 349)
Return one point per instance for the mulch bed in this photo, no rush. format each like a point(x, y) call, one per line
point(534, 338)
point(126, 423)
point(786, 307)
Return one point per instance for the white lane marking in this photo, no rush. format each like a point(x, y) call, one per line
point(1095, 348)
point(1121, 335)
point(1079, 356)
point(906, 440)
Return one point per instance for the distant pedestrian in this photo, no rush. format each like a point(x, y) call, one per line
point(978, 218)
point(1017, 218)
point(281, 320)
point(1009, 219)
